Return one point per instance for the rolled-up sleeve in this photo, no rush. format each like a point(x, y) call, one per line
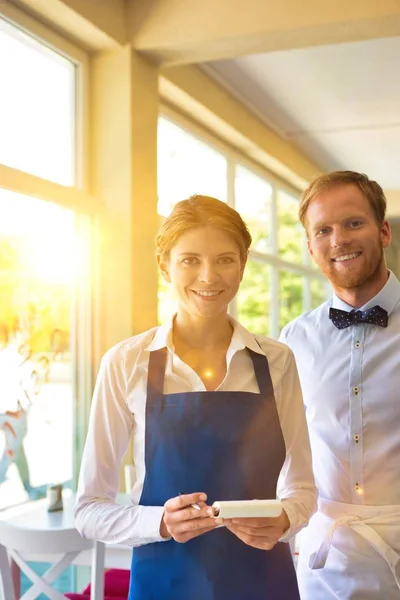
point(296, 486)
point(97, 515)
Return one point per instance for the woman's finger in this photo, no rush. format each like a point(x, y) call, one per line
point(184, 500)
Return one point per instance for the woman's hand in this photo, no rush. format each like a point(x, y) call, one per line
point(182, 522)
point(261, 533)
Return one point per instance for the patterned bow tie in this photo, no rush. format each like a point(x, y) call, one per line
point(373, 316)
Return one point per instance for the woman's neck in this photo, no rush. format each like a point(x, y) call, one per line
point(202, 333)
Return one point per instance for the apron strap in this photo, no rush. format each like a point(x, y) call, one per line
point(263, 376)
point(158, 361)
point(156, 374)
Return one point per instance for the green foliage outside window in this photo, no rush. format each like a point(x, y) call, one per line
point(291, 288)
point(253, 300)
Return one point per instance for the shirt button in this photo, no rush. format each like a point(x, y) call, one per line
point(359, 489)
point(356, 389)
point(356, 438)
point(357, 345)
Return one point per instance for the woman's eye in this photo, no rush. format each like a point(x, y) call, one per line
point(191, 260)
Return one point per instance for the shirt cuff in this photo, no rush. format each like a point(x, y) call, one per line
point(290, 509)
point(150, 522)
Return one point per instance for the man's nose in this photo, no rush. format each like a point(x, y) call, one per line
point(340, 237)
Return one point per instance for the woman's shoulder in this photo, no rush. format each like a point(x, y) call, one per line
point(279, 355)
point(130, 347)
point(269, 344)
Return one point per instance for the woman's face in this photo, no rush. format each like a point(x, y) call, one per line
point(205, 270)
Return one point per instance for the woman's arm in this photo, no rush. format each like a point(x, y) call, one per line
point(97, 516)
point(296, 486)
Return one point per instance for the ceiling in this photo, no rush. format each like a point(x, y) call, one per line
point(340, 104)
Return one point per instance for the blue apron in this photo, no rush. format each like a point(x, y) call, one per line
point(230, 446)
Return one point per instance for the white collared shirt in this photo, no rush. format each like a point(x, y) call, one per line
point(351, 387)
point(118, 409)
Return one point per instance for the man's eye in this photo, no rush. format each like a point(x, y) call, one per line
point(225, 260)
point(322, 231)
point(355, 224)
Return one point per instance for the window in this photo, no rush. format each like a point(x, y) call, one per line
point(253, 199)
point(37, 104)
point(43, 293)
point(187, 166)
point(291, 236)
point(37, 268)
point(253, 303)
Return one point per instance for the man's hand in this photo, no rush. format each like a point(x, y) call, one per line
point(261, 533)
point(182, 522)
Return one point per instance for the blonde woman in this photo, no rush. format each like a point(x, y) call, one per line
point(217, 414)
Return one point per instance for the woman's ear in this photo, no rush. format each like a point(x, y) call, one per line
point(163, 266)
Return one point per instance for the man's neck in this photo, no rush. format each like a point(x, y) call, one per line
point(357, 297)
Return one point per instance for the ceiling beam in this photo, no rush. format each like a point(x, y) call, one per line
point(94, 24)
point(193, 31)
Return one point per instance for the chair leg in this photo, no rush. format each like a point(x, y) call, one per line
point(6, 579)
point(97, 575)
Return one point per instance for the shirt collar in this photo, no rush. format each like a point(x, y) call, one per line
point(387, 298)
point(241, 338)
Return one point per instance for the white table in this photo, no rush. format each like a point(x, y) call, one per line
point(33, 517)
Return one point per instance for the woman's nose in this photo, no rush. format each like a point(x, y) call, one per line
point(208, 273)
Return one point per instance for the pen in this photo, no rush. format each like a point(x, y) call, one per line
point(195, 505)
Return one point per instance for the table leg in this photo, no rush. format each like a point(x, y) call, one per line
point(6, 580)
point(16, 578)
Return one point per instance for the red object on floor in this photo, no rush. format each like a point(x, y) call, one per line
point(116, 586)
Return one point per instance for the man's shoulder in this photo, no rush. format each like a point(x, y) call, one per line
point(303, 325)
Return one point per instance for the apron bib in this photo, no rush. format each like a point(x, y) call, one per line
point(230, 446)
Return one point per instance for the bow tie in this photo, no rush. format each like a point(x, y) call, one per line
point(373, 316)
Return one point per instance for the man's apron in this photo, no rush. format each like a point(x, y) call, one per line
point(351, 552)
point(230, 446)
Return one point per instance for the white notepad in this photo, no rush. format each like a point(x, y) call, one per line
point(243, 509)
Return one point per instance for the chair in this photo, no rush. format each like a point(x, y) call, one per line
point(116, 586)
point(18, 542)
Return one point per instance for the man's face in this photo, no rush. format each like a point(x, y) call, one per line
point(344, 237)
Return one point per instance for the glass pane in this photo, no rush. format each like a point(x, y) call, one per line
point(36, 107)
point(253, 299)
point(253, 199)
point(37, 270)
point(187, 166)
point(320, 292)
point(291, 235)
point(291, 290)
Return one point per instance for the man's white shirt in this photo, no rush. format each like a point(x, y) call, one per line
point(350, 380)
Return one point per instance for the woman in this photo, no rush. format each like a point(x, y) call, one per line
point(216, 414)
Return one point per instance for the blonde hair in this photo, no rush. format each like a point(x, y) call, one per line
point(200, 211)
point(371, 190)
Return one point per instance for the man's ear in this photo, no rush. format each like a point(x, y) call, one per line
point(163, 266)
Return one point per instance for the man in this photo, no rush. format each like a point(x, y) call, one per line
point(348, 355)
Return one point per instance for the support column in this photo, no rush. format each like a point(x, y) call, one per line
point(124, 103)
